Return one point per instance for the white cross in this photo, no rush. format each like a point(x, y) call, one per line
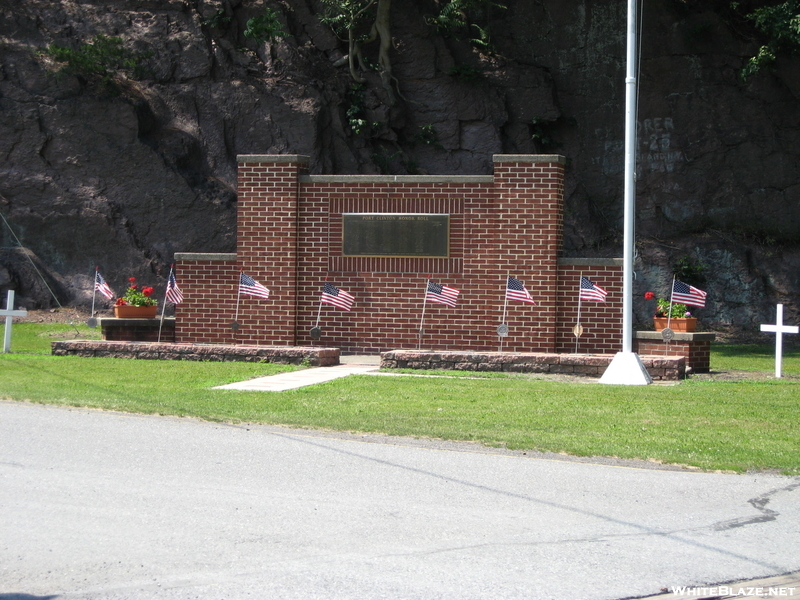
point(9, 314)
point(779, 329)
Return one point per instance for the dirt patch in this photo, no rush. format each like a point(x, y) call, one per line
point(61, 315)
point(754, 337)
point(735, 375)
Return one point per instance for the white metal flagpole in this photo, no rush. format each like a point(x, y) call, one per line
point(626, 367)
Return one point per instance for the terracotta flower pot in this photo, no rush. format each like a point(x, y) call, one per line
point(687, 324)
point(135, 312)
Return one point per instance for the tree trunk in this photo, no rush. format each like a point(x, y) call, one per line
point(385, 35)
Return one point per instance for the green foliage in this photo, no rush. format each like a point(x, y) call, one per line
point(466, 73)
point(217, 19)
point(689, 271)
point(427, 135)
point(674, 311)
point(457, 18)
point(384, 160)
point(356, 109)
point(264, 28)
point(481, 39)
point(137, 296)
point(103, 58)
point(781, 25)
point(346, 15)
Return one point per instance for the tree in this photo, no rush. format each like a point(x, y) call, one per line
point(361, 22)
point(781, 24)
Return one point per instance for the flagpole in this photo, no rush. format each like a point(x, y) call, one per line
point(422, 319)
point(164, 306)
point(626, 367)
point(671, 294)
point(319, 311)
point(505, 307)
point(578, 323)
point(94, 287)
point(238, 296)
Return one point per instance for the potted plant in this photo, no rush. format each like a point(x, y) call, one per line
point(673, 315)
point(136, 303)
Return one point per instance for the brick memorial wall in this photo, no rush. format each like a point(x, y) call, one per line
point(291, 237)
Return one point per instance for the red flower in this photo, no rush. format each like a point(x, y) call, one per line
point(120, 302)
point(147, 291)
point(649, 295)
point(131, 279)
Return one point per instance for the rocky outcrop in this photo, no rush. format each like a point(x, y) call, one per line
point(124, 176)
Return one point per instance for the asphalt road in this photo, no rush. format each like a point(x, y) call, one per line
point(98, 505)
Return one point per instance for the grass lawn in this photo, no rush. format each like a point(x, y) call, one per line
point(711, 422)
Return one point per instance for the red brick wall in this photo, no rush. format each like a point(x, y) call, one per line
point(209, 288)
point(601, 321)
point(290, 240)
point(697, 353)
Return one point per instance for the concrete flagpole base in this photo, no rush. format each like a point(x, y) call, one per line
point(626, 368)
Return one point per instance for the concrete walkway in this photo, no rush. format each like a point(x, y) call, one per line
point(351, 365)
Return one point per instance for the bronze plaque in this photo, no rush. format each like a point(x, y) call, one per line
point(396, 234)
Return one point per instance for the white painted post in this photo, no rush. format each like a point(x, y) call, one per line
point(9, 314)
point(779, 329)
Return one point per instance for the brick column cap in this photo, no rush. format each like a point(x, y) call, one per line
point(272, 158)
point(399, 179)
point(529, 158)
point(704, 336)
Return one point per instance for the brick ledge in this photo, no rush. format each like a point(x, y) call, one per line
point(661, 368)
point(292, 355)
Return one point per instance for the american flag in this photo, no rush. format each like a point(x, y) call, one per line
point(590, 291)
point(101, 286)
point(249, 286)
point(516, 291)
point(442, 294)
point(683, 293)
point(333, 295)
point(174, 293)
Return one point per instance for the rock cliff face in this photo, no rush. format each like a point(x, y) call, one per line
point(121, 176)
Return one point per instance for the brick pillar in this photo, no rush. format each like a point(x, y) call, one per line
point(267, 245)
point(528, 212)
